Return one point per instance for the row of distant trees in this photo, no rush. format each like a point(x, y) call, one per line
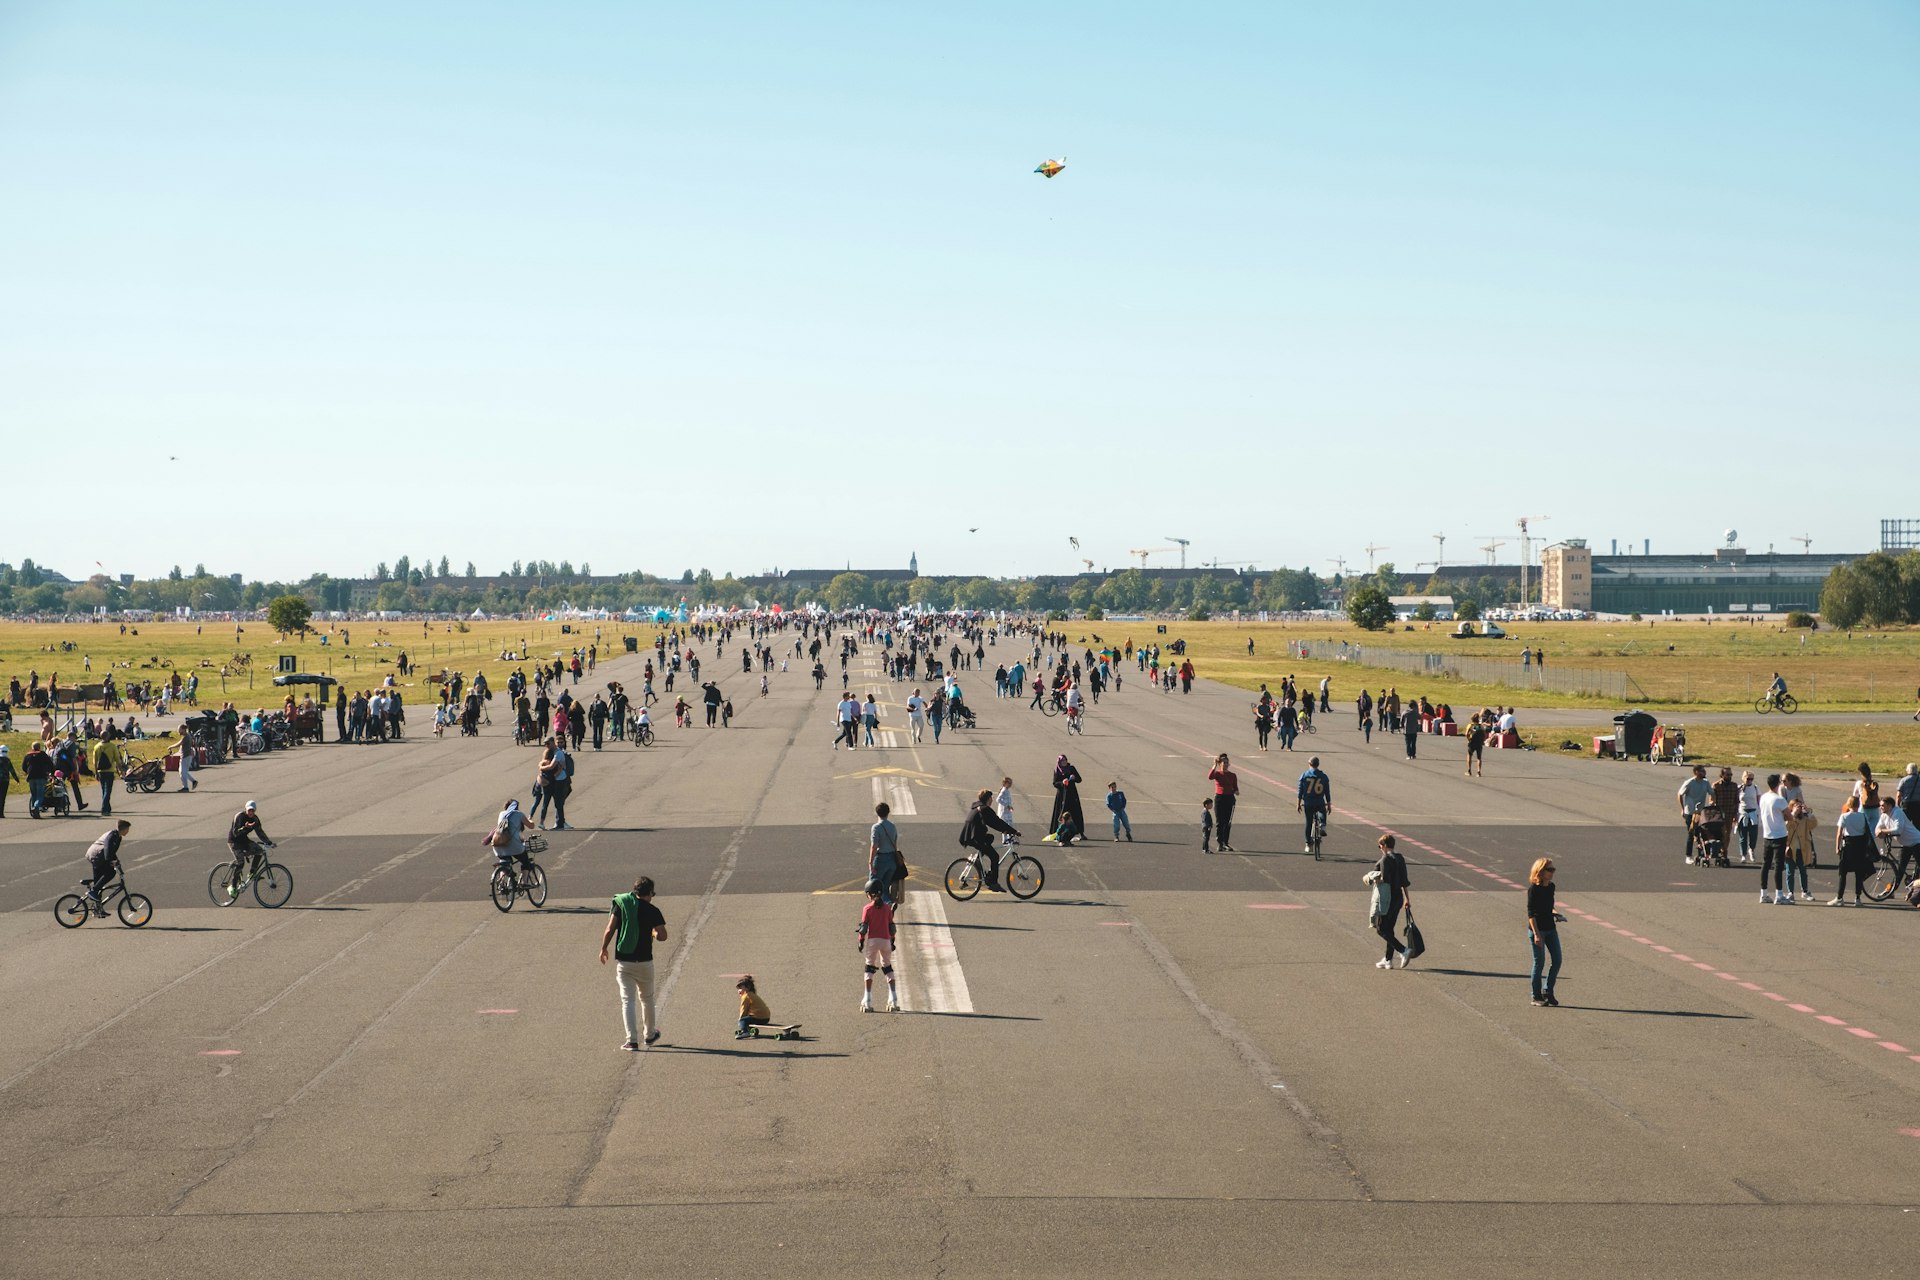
point(433, 586)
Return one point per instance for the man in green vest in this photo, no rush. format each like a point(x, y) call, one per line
point(635, 925)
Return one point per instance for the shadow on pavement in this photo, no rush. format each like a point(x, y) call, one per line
point(1481, 973)
point(746, 1053)
point(997, 928)
point(306, 908)
point(984, 1017)
point(189, 928)
point(1661, 1013)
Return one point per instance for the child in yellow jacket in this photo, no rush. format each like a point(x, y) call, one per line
point(753, 1010)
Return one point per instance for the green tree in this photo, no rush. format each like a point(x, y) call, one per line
point(847, 590)
point(1426, 612)
point(289, 614)
point(1369, 609)
point(470, 570)
point(443, 569)
point(1467, 609)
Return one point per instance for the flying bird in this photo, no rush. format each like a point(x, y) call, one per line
point(975, 529)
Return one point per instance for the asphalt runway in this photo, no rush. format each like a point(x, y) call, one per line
point(1167, 1063)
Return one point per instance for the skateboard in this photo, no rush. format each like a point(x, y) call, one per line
point(789, 1032)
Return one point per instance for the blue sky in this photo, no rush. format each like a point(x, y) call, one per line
point(746, 285)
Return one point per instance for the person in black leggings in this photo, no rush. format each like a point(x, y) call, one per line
point(1393, 874)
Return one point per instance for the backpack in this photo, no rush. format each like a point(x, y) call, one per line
point(502, 836)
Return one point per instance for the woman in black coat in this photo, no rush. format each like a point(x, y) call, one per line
point(1066, 797)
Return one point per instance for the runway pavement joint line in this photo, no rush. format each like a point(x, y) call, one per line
point(1263, 1068)
point(729, 859)
point(267, 1121)
point(1565, 905)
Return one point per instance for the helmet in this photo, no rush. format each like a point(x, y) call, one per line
point(251, 806)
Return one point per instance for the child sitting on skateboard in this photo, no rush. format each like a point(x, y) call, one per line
point(753, 1010)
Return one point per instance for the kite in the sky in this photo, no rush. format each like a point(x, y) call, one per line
point(1075, 542)
point(1048, 168)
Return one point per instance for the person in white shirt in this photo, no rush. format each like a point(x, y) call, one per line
point(1906, 836)
point(1749, 816)
point(1773, 839)
point(1004, 803)
point(849, 716)
point(1507, 722)
point(917, 714)
point(1694, 792)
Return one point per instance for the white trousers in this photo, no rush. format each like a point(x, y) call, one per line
point(636, 976)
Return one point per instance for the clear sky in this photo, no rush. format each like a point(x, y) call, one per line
point(744, 285)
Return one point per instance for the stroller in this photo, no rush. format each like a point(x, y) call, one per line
point(1708, 834)
point(960, 716)
point(56, 799)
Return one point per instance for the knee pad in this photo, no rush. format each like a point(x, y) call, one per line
point(888, 970)
point(869, 969)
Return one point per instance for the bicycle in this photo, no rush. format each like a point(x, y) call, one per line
point(271, 882)
point(1786, 704)
point(1022, 874)
point(135, 909)
point(642, 734)
point(1318, 834)
point(1076, 720)
point(1053, 704)
point(513, 878)
point(1884, 879)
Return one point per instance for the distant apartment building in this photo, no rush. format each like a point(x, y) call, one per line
point(1566, 576)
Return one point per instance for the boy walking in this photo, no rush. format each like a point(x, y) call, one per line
point(635, 925)
point(1206, 826)
point(1117, 804)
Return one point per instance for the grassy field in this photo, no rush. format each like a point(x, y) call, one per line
point(360, 659)
point(1674, 664)
point(1772, 746)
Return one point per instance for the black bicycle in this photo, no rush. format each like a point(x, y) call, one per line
point(134, 909)
point(514, 878)
point(1884, 879)
point(272, 884)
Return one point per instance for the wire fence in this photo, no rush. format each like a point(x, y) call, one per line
point(1477, 670)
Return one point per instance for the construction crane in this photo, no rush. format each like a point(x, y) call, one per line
point(1144, 552)
point(1806, 543)
point(1232, 562)
point(1184, 544)
point(1526, 551)
point(1441, 555)
point(1370, 548)
point(1492, 546)
point(1339, 564)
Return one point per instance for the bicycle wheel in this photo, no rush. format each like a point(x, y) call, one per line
point(503, 888)
point(1025, 877)
point(963, 879)
point(273, 886)
point(251, 743)
point(1882, 880)
point(70, 911)
point(135, 910)
point(1047, 708)
point(1310, 728)
point(221, 885)
point(646, 736)
point(1763, 705)
point(1788, 704)
point(535, 886)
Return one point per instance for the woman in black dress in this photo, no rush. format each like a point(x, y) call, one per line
point(1853, 842)
point(1393, 874)
point(1066, 797)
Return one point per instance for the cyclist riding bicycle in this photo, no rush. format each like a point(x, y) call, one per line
point(245, 838)
point(103, 862)
point(1315, 797)
point(508, 840)
point(1074, 704)
point(977, 834)
point(1777, 690)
